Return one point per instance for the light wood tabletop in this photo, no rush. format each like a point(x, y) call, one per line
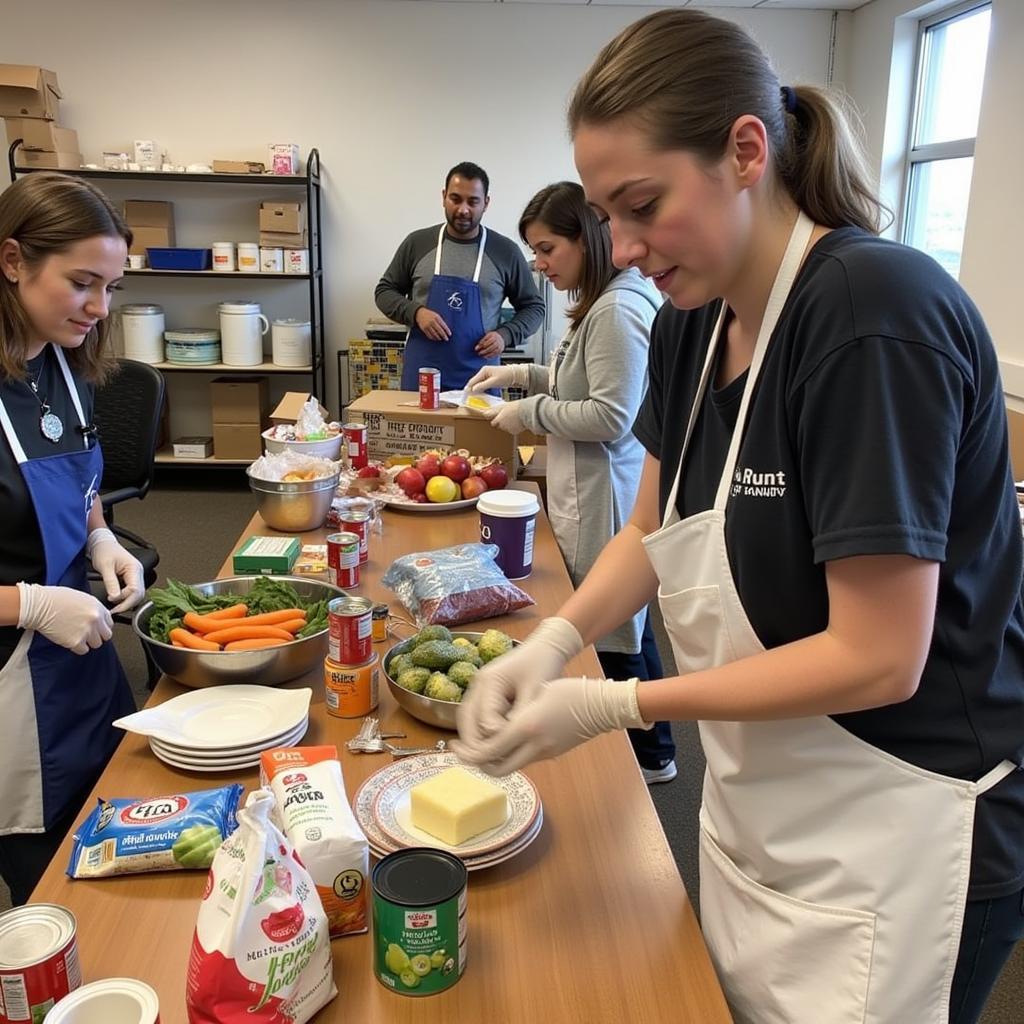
point(589, 923)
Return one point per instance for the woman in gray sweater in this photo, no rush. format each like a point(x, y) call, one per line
point(586, 401)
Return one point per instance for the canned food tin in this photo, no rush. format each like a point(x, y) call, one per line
point(271, 260)
point(358, 523)
point(109, 1000)
point(343, 559)
point(355, 439)
point(351, 690)
point(430, 388)
point(38, 960)
point(349, 639)
point(380, 622)
point(419, 921)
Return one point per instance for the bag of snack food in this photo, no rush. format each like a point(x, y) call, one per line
point(311, 805)
point(454, 585)
point(261, 953)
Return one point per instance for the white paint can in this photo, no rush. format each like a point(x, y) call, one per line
point(242, 327)
point(292, 343)
point(142, 326)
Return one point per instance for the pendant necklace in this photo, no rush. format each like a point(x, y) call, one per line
point(50, 425)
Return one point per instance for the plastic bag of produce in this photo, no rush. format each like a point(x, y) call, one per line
point(261, 953)
point(311, 804)
point(125, 836)
point(454, 585)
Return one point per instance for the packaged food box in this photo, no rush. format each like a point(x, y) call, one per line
point(266, 555)
point(193, 447)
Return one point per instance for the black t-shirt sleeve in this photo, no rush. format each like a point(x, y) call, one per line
point(878, 427)
point(648, 427)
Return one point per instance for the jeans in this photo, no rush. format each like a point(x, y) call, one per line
point(653, 747)
point(991, 929)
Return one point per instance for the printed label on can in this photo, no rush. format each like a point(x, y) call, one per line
point(343, 559)
point(355, 440)
point(358, 523)
point(39, 973)
point(430, 388)
point(351, 690)
point(349, 640)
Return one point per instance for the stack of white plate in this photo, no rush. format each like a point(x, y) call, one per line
point(222, 728)
point(382, 807)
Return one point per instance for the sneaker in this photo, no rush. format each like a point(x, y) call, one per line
point(666, 773)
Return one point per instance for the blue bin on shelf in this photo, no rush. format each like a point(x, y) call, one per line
point(179, 259)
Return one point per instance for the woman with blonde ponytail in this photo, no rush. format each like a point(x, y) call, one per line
point(827, 517)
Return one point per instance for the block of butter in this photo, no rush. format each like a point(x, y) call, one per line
point(455, 806)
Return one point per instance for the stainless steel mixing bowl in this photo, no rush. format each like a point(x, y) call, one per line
point(265, 667)
point(294, 506)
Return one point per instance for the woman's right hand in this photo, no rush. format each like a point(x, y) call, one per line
point(69, 618)
point(515, 678)
point(490, 377)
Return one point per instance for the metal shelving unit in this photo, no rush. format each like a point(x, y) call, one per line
point(310, 184)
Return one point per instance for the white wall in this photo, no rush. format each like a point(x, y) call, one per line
point(880, 77)
point(392, 94)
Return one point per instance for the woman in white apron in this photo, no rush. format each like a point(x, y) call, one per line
point(827, 516)
point(585, 401)
point(62, 248)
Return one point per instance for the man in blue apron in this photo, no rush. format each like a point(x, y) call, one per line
point(447, 283)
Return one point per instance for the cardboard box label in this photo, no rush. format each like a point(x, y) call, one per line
point(386, 436)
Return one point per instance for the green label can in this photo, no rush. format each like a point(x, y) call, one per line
point(419, 921)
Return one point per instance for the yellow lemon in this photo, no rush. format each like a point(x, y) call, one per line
point(441, 489)
point(477, 403)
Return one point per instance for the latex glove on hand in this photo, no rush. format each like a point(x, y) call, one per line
point(562, 714)
point(489, 378)
point(65, 616)
point(505, 417)
point(490, 345)
point(116, 565)
point(512, 680)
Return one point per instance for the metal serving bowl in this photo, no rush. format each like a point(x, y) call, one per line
point(439, 713)
point(265, 667)
point(295, 506)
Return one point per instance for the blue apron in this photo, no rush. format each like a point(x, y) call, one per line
point(457, 300)
point(55, 731)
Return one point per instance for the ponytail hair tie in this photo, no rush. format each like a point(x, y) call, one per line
point(789, 99)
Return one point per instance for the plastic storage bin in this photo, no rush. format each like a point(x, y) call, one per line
point(178, 259)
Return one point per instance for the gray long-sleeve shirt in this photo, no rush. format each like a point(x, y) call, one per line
point(503, 275)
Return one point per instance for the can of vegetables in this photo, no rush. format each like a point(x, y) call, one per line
point(343, 559)
point(350, 636)
point(350, 691)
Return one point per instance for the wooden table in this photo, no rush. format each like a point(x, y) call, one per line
point(590, 923)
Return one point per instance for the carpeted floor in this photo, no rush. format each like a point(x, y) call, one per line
point(194, 518)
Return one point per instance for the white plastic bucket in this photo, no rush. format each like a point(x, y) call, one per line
point(242, 327)
point(224, 257)
point(143, 329)
point(292, 343)
point(248, 257)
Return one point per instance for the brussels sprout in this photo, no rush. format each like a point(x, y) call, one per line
point(436, 654)
point(440, 687)
point(493, 644)
point(414, 679)
point(398, 664)
point(461, 673)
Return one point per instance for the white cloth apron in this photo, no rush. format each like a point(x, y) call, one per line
point(833, 875)
point(562, 499)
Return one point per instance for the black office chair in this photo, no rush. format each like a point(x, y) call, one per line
point(127, 417)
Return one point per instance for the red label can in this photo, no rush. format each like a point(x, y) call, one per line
point(355, 440)
point(350, 691)
point(38, 960)
point(350, 630)
point(430, 388)
point(343, 559)
point(359, 524)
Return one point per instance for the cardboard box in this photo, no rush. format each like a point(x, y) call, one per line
point(193, 447)
point(283, 158)
point(282, 217)
point(239, 167)
point(237, 441)
point(266, 555)
point(152, 224)
point(283, 240)
point(28, 91)
point(240, 400)
point(288, 408)
point(36, 133)
point(50, 161)
point(396, 425)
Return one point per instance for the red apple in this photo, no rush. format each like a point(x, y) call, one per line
point(473, 487)
point(420, 499)
point(495, 476)
point(411, 481)
point(456, 468)
point(429, 465)
point(369, 471)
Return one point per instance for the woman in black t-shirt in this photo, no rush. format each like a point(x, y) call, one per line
point(62, 249)
point(827, 517)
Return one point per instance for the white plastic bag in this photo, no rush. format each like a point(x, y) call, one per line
point(261, 952)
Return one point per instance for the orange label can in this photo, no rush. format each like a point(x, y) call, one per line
point(351, 690)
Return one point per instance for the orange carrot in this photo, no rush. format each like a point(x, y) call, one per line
point(196, 643)
point(254, 644)
point(273, 618)
point(245, 632)
point(236, 611)
point(177, 643)
point(292, 625)
point(201, 624)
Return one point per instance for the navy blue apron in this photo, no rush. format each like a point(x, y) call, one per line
point(457, 300)
point(57, 706)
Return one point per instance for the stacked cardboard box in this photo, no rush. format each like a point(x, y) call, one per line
point(283, 225)
point(152, 224)
point(240, 407)
point(29, 105)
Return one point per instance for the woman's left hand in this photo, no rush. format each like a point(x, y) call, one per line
point(506, 417)
point(563, 714)
point(122, 573)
